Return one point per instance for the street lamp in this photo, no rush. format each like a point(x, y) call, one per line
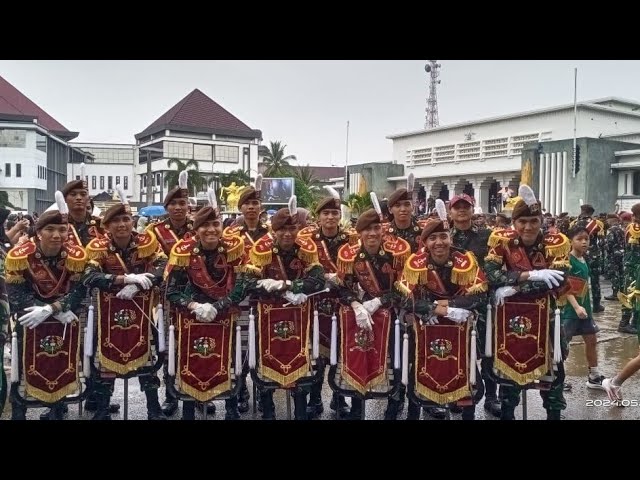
point(149, 172)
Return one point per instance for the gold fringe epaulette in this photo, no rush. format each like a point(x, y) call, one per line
point(346, 256)
point(97, 248)
point(248, 268)
point(494, 258)
point(501, 237)
point(556, 245)
point(232, 231)
point(261, 253)
point(308, 231)
point(17, 259)
point(77, 258)
point(633, 233)
point(415, 269)
point(14, 278)
point(234, 247)
point(181, 252)
point(465, 268)
point(402, 288)
point(398, 248)
point(307, 250)
point(147, 244)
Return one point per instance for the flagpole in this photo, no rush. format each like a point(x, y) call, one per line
point(346, 167)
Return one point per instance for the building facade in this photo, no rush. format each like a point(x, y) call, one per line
point(482, 157)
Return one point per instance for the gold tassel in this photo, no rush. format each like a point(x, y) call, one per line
point(561, 301)
point(76, 264)
point(478, 288)
point(96, 254)
point(308, 257)
point(400, 260)
point(248, 268)
point(235, 253)
point(561, 250)
point(179, 260)
point(494, 258)
point(402, 289)
point(13, 278)
point(345, 266)
point(145, 251)
point(561, 264)
point(16, 264)
point(311, 266)
point(463, 278)
point(412, 276)
point(260, 259)
point(495, 239)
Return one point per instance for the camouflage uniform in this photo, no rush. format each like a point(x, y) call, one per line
point(593, 255)
point(614, 246)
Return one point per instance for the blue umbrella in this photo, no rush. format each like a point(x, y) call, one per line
point(152, 211)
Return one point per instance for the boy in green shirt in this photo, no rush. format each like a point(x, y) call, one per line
point(577, 316)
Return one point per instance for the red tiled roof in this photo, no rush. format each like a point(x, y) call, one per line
point(198, 113)
point(13, 102)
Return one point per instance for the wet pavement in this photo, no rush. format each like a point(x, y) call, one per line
point(614, 351)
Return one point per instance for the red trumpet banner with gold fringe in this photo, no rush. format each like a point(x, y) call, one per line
point(283, 342)
point(204, 355)
point(522, 338)
point(442, 361)
point(364, 352)
point(50, 362)
point(124, 331)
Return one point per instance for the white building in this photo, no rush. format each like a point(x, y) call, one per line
point(109, 165)
point(480, 157)
point(196, 128)
point(34, 151)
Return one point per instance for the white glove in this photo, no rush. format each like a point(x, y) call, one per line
point(271, 285)
point(36, 316)
point(205, 312)
point(502, 293)
point(65, 317)
point(458, 315)
point(372, 306)
point(127, 292)
point(331, 278)
point(432, 320)
point(142, 279)
point(551, 277)
point(295, 298)
point(363, 319)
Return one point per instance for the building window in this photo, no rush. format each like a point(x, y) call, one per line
point(178, 150)
point(144, 181)
point(227, 154)
point(93, 182)
point(636, 184)
point(13, 138)
point(117, 180)
point(41, 142)
point(7, 169)
point(126, 183)
point(77, 177)
point(101, 182)
point(109, 182)
point(158, 179)
point(18, 170)
point(202, 152)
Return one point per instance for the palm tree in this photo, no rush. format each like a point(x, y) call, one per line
point(276, 162)
point(306, 175)
point(196, 181)
point(241, 177)
point(358, 203)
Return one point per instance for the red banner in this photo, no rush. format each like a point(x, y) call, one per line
point(50, 362)
point(522, 338)
point(364, 353)
point(441, 359)
point(124, 331)
point(204, 355)
point(283, 342)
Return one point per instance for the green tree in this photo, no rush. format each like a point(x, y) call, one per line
point(276, 162)
point(196, 181)
point(359, 203)
point(241, 177)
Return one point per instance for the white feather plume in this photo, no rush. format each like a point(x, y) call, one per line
point(122, 195)
point(332, 191)
point(183, 180)
point(258, 184)
point(477, 210)
point(495, 210)
point(376, 203)
point(96, 212)
point(441, 209)
point(581, 202)
point(61, 203)
point(411, 181)
point(83, 174)
point(527, 195)
point(211, 195)
point(293, 205)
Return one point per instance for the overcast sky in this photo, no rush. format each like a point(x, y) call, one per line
point(306, 104)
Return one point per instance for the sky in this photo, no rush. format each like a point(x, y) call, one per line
point(306, 104)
